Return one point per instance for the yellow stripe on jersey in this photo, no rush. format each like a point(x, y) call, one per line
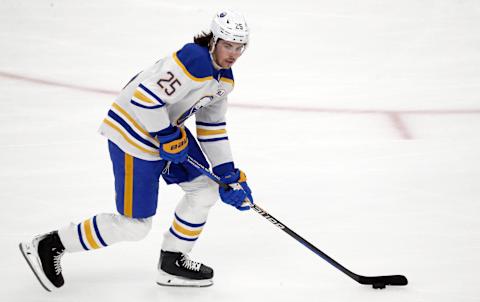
point(128, 186)
point(131, 142)
point(137, 125)
point(179, 63)
point(227, 80)
point(142, 97)
point(89, 235)
point(185, 231)
point(210, 132)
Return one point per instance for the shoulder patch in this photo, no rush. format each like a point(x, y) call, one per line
point(194, 60)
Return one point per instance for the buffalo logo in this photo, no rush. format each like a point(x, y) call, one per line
point(191, 111)
point(220, 92)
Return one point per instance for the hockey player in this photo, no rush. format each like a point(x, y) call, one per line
point(147, 140)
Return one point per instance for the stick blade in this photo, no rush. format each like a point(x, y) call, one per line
point(380, 282)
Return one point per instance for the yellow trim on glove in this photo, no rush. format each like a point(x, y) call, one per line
point(243, 177)
point(178, 145)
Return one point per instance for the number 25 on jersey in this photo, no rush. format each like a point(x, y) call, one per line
point(168, 83)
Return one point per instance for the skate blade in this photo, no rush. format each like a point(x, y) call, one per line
point(29, 253)
point(165, 279)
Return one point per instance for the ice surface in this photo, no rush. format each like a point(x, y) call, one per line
point(357, 123)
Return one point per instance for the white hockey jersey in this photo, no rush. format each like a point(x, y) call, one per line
point(168, 93)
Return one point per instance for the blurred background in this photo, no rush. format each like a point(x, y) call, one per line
point(357, 123)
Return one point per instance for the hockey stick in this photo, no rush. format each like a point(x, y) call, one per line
point(377, 282)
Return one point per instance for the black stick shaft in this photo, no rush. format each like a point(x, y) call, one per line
point(303, 241)
point(378, 280)
point(276, 222)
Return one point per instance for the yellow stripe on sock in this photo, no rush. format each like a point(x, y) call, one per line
point(128, 186)
point(184, 231)
point(89, 235)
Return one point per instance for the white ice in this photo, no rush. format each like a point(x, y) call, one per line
point(374, 155)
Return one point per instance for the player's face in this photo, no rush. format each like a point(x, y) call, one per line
point(226, 53)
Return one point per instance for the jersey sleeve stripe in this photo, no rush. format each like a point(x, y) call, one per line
point(213, 136)
point(129, 129)
point(143, 99)
point(130, 141)
point(125, 114)
point(210, 124)
point(146, 107)
point(137, 94)
point(180, 64)
point(210, 132)
point(158, 99)
point(212, 139)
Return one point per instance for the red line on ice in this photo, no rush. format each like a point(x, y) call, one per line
point(394, 115)
point(400, 125)
point(54, 83)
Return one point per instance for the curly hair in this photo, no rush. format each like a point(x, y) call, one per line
point(203, 39)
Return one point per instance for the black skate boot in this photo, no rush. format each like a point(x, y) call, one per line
point(176, 269)
point(43, 255)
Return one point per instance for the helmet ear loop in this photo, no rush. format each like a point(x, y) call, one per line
point(211, 49)
point(212, 44)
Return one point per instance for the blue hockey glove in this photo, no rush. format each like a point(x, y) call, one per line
point(173, 144)
point(238, 192)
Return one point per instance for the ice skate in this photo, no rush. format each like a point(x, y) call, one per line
point(43, 255)
point(176, 269)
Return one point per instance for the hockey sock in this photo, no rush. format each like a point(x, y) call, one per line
point(190, 215)
point(103, 230)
